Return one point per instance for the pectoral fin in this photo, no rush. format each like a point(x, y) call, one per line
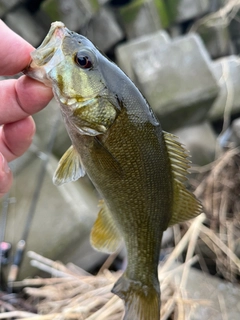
point(105, 235)
point(69, 168)
point(185, 204)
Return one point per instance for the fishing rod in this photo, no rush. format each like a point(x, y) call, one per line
point(20, 249)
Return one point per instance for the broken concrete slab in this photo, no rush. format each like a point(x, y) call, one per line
point(215, 296)
point(214, 32)
point(62, 220)
point(230, 138)
point(73, 13)
point(177, 80)
point(201, 140)
point(103, 29)
point(125, 52)
point(187, 9)
point(227, 73)
point(234, 25)
point(139, 18)
point(6, 6)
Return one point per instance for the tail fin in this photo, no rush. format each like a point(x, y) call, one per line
point(141, 302)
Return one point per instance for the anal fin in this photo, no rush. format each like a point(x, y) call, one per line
point(105, 235)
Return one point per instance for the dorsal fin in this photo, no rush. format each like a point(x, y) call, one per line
point(105, 235)
point(185, 204)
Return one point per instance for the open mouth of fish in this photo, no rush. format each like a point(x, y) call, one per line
point(42, 62)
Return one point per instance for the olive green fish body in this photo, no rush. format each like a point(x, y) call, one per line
point(138, 169)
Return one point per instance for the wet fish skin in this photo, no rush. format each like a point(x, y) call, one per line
point(137, 168)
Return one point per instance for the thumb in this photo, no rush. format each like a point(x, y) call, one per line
point(5, 176)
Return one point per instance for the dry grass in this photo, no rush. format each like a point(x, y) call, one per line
point(219, 192)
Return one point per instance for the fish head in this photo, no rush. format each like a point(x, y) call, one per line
point(69, 63)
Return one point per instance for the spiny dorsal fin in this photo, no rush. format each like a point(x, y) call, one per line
point(105, 235)
point(185, 204)
point(69, 167)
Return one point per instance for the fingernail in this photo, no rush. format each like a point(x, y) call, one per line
point(3, 164)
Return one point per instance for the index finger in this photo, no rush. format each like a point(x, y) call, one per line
point(17, 49)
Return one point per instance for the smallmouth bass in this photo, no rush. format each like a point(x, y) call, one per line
point(138, 169)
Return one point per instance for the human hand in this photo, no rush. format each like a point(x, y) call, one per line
point(19, 99)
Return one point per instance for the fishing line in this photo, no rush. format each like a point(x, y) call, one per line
point(22, 243)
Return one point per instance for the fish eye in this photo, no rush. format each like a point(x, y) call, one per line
point(84, 60)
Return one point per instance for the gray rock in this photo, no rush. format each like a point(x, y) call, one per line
point(234, 25)
point(125, 52)
point(215, 35)
point(216, 5)
point(227, 72)
point(201, 141)
point(73, 13)
point(188, 9)
point(62, 220)
point(140, 18)
point(6, 6)
point(103, 30)
point(177, 81)
point(231, 137)
point(23, 23)
point(236, 130)
point(218, 296)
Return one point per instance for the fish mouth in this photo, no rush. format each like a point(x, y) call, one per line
point(42, 62)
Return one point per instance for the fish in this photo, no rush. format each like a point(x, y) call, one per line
point(138, 169)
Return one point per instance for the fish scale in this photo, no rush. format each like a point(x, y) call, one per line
point(137, 168)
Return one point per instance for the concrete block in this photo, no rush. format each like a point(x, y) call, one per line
point(6, 6)
point(201, 140)
point(103, 29)
point(227, 73)
point(23, 23)
point(140, 18)
point(177, 81)
point(234, 26)
point(231, 137)
point(211, 291)
point(73, 13)
point(187, 9)
point(62, 221)
point(236, 130)
point(125, 52)
point(214, 32)
point(215, 5)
